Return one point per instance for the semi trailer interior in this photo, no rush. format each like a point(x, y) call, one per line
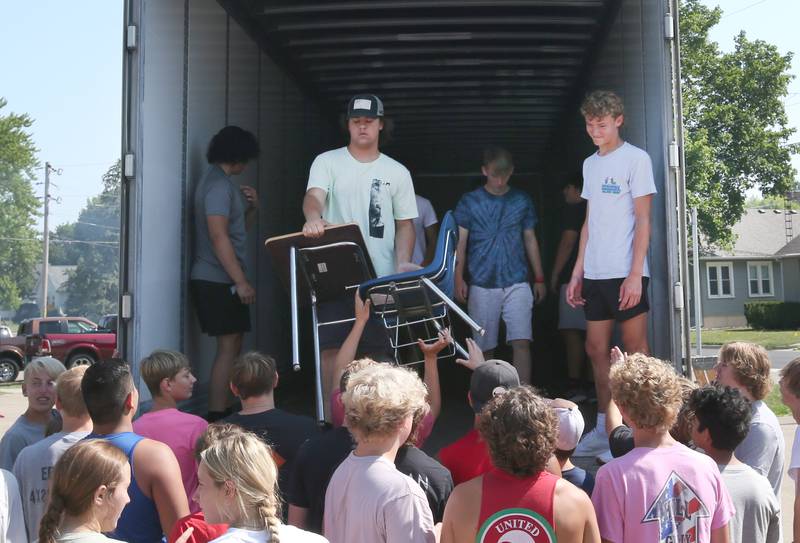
point(454, 75)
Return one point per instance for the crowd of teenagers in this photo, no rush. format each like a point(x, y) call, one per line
point(689, 463)
point(680, 463)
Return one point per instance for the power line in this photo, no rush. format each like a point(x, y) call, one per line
point(754, 4)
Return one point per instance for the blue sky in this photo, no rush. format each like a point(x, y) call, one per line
point(62, 64)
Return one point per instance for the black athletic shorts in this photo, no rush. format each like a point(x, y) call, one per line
point(602, 300)
point(219, 309)
point(374, 340)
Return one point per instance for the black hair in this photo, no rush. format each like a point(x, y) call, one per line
point(574, 180)
point(232, 145)
point(725, 412)
point(104, 386)
point(499, 157)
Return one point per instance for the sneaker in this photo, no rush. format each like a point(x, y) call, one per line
point(593, 443)
point(604, 458)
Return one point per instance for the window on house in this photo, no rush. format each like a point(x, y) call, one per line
point(759, 279)
point(720, 279)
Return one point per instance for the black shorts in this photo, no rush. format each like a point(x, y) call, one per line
point(219, 309)
point(602, 300)
point(374, 339)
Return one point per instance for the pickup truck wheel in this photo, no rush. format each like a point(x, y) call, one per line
point(8, 370)
point(80, 359)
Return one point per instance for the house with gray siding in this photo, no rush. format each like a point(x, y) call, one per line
point(763, 264)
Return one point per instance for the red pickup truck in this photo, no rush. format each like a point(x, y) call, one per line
point(73, 340)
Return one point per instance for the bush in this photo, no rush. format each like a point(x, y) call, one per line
point(773, 315)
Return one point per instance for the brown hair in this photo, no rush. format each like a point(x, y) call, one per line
point(162, 364)
point(600, 103)
point(77, 475)
point(254, 374)
point(520, 429)
point(750, 364)
point(648, 390)
point(246, 461)
point(500, 158)
point(68, 392)
point(790, 376)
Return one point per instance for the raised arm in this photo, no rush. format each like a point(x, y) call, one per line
point(349, 349)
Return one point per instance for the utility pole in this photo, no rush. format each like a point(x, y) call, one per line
point(46, 237)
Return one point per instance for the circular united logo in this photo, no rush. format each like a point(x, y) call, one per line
point(516, 526)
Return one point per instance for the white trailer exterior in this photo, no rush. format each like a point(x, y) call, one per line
point(454, 74)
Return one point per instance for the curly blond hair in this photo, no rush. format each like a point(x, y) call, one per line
point(600, 103)
point(750, 365)
point(520, 429)
point(648, 390)
point(380, 397)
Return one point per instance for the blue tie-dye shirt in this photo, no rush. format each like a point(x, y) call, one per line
point(496, 255)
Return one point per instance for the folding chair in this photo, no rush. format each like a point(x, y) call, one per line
point(417, 304)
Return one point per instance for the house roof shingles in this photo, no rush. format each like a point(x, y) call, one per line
point(762, 233)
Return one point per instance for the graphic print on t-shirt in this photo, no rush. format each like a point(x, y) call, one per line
point(677, 508)
point(516, 526)
point(375, 220)
point(610, 186)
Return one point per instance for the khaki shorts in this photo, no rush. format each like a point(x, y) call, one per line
point(514, 304)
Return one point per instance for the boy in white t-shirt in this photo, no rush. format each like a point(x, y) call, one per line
point(358, 183)
point(790, 394)
point(611, 275)
point(426, 230)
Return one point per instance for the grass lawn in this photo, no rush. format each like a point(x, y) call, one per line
point(769, 339)
point(774, 402)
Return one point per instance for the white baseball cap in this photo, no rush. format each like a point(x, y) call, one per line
point(570, 424)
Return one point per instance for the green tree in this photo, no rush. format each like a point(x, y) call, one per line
point(736, 129)
point(19, 250)
point(93, 287)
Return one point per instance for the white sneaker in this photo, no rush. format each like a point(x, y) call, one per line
point(593, 443)
point(603, 458)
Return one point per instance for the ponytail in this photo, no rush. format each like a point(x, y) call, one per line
point(48, 527)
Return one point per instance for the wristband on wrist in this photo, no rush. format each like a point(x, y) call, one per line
point(539, 280)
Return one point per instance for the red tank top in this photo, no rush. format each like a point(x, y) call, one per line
point(515, 510)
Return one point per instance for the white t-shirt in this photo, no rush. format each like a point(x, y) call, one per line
point(425, 218)
point(371, 194)
point(12, 523)
point(794, 464)
point(610, 183)
point(286, 534)
point(369, 501)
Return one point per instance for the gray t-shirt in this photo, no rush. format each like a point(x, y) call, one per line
point(369, 501)
point(216, 194)
point(21, 434)
point(33, 469)
point(758, 513)
point(763, 448)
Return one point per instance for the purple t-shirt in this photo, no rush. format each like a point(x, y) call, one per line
point(179, 431)
point(661, 495)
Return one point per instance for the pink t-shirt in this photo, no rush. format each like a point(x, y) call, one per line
point(337, 417)
point(661, 495)
point(179, 431)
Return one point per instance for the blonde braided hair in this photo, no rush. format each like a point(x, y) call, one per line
point(246, 461)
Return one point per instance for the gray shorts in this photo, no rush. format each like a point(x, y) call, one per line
point(569, 318)
point(514, 304)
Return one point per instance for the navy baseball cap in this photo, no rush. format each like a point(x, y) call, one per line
point(365, 105)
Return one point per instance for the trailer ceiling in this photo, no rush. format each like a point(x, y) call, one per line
point(454, 75)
